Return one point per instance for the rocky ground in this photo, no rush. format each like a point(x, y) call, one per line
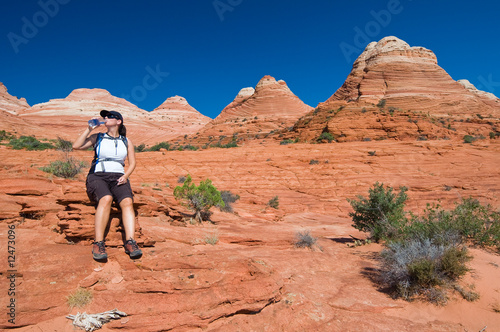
point(253, 278)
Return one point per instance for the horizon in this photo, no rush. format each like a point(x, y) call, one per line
point(207, 52)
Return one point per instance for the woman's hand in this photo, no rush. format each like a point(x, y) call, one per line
point(122, 180)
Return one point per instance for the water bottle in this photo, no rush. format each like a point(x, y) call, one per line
point(95, 123)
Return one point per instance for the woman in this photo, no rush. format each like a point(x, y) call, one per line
point(107, 180)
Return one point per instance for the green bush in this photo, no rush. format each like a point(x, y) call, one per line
point(161, 145)
point(469, 139)
point(325, 136)
point(274, 202)
point(381, 214)
point(63, 145)
point(29, 143)
point(381, 103)
point(5, 135)
point(68, 168)
point(199, 198)
point(232, 144)
point(140, 148)
point(468, 222)
point(287, 141)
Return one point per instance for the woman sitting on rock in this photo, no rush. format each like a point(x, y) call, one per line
point(107, 180)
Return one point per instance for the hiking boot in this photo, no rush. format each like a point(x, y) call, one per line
point(132, 249)
point(99, 250)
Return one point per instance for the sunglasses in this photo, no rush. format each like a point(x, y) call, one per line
point(112, 116)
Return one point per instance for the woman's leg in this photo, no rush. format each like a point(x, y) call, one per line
point(128, 217)
point(102, 216)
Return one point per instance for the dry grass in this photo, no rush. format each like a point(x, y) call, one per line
point(80, 298)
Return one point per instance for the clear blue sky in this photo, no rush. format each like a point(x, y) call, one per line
point(206, 51)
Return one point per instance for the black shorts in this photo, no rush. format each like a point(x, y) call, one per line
point(100, 184)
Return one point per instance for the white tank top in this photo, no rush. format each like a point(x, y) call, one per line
point(111, 154)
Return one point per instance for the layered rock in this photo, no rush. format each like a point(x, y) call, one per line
point(254, 277)
point(68, 117)
point(255, 113)
point(11, 104)
point(391, 86)
point(176, 114)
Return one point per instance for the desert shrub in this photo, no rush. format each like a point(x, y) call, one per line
point(381, 214)
point(313, 162)
point(63, 145)
point(190, 147)
point(5, 135)
point(181, 179)
point(274, 202)
point(161, 145)
point(422, 268)
point(140, 148)
point(29, 143)
point(199, 198)
point(80, 298)
point(68, 168)
point(228, 198)
point(477, 223)
point(325, 136)
point(469, 139)
point(304, 239)
point(212, 239)
point(372, 153)
point(468, 222)
point(381, 103)
point(287, 141)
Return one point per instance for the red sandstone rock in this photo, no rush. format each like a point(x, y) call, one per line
point(400, 92)
point(181, 118)
point(254, 113)
point(11, 104)
point(253, 278)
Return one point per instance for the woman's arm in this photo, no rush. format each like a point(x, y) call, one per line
point(131, 163)
point(85, 141)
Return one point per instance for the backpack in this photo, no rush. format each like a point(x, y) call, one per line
point(96, 158)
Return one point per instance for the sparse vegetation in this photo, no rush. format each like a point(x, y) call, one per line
point(381, 214)
point(80, 298)
point(326, 136)
point(287, 141)
point(469, 139)
point(140, 148)
point(159, 146)
point(213, 238)
point(63, 145)
point(4, 135)
point(29, 143)
point(423, 268)
point(426, 255)
point(68, 168)
point(199, 198)
point(274, 202)
point(313, 162)
point(381, 103)
point(228, 198)
point(304, 239)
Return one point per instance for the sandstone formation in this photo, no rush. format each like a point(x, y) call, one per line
point(67, 118)
point(10, 103)
point(398, 91)
point(253, 278)
point(272, 106)
point(176, 113)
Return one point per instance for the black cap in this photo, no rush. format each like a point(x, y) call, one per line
point(105, 113)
